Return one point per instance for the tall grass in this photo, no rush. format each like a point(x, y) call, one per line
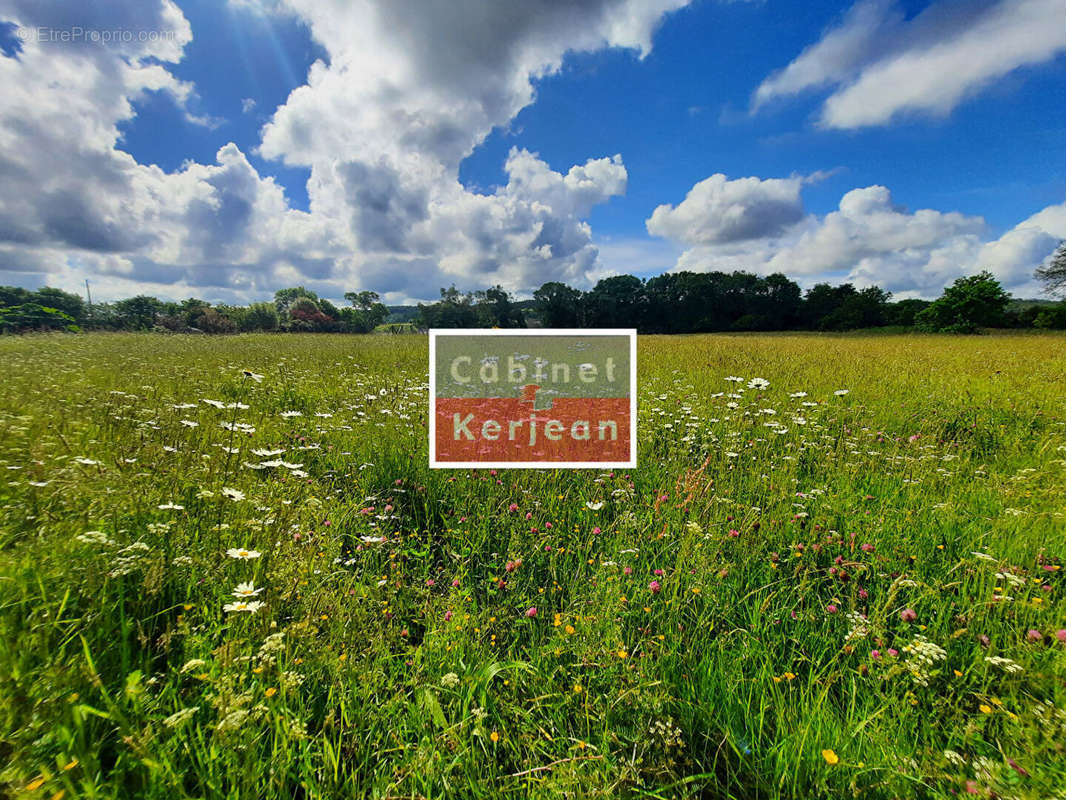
point(836, 594)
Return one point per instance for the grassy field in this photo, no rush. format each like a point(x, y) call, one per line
point(853, 592)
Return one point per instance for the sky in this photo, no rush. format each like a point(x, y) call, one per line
point(224, 149)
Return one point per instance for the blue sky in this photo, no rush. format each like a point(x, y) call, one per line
point(894, 142)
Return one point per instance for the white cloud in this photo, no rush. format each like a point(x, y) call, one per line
point(717, 210)
point(407, 93)
point(882, 67)
point(1013, 256)
point(867, 240)
point(861, 36)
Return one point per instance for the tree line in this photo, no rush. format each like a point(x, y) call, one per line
point(675, 302)
point(295, 309)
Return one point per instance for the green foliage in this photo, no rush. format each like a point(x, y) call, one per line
point(1051, 317)
point(393, 655)
point(284, 299)
point(969, 304)
point(483, 309)
point(137, 313)
point(261, 317)
point(558, 305)
point(366, 313)
point(35, 317)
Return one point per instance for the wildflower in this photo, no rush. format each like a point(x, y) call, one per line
point(242, 553)
point(1006, 664)
point(94, 537)
point(1060, 634)
point(655, 587)
point(270, 692)
point(758, 383)
point(449, 680)
point(593, 506)
point(246, 590)
point(170, 507)
point(254, 376)
point(251, 607)
point(908, 615)
point(830, 757)
point(1034, 635)
point(984, 708)
point(232, 494)
point(875, 655)
point(273, 643)
point(832, 609)
point(841, 392)
point(531, 612)
point(494, 736)
point(291, 414)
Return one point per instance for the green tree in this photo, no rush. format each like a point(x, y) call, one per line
point(495, 309)
point(455, 309)
point(260, 317)
point(14, 296)
point(616, 302)
point(34, 317)
point(904, 312)
point(284, 298)
point(67, 302)
point(366, 312)
point(970, 303)
point(138, 313)
point(1053, 274)
point(1052, 317)
point(558, 305)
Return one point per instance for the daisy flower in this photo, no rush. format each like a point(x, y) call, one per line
point(251, 607)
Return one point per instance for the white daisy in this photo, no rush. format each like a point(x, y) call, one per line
point(243, 553)
point(251, 607)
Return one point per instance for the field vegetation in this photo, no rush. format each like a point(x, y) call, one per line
point(226, 571)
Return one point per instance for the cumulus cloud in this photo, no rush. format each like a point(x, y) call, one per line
point(718, 210)
point(867, 240)
point(407, 92)
point(881, 66)
point(1013, 256)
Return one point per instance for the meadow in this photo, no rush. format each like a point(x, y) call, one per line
point(226, 571)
